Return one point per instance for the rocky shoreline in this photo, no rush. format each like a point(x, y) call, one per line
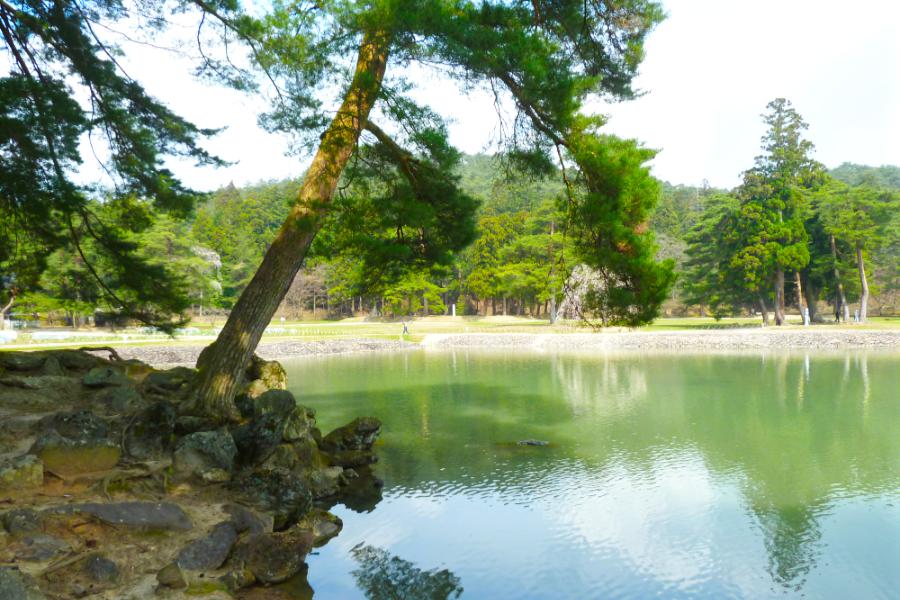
point(112, 487)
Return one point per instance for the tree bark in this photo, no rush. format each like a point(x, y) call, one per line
point(12, 299)
point(779, 296)
point(800, 302)
point(223, 363)
point(863, 285)
point(765, 310)
point(811, 293)
point(844, 307)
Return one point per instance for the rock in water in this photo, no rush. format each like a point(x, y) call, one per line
point(21, 473)
point(533, 443)
point(351, 445)
point(359, 434)
point(274, 557)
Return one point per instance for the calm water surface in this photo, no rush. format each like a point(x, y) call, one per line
point(714, 476)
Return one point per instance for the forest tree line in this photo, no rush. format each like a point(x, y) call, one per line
point(518, 262)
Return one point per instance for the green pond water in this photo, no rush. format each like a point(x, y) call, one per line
point(673, 476)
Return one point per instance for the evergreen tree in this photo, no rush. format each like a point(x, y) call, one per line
point(55, 57)
point(773, 194)
point(546, 56)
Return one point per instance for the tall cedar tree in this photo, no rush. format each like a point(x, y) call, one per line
point(772, 194)
point(548, 56)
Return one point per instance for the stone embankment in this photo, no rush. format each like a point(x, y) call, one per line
point(701, 341)
point(112, 487)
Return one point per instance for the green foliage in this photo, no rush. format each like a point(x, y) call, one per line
point(613, 197)
point(56, 57)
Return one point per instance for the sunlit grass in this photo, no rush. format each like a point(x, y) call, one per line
point(201, 332)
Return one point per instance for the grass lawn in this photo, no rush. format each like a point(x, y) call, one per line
point(202, 332)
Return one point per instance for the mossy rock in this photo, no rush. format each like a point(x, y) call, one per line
point(21, 473)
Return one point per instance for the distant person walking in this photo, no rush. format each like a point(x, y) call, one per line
point(405, 328)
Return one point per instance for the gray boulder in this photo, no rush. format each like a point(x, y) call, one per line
point(208, 455)
point(276, 491)
point(208, 552)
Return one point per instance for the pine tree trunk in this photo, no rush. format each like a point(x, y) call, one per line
point(844, 307)
point(222, 364)
point(779, 296)
point(863, 285)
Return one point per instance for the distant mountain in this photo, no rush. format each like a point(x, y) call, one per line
point(852, 174)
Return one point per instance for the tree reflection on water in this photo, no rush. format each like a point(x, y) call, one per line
point(382, 576)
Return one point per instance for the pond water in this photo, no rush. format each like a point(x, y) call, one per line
point(675, 476)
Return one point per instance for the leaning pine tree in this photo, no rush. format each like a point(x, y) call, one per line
point(547, 57)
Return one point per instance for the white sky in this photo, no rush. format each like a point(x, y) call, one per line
point(709, 72)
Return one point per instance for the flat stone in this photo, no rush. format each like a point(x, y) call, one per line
point(39, 547)
point(21, 361)
point(209, 552)
point(274, 557)
point(38, 390)
point(78, 359)
point(15, 585)
point(161, 516)
point(21, 473)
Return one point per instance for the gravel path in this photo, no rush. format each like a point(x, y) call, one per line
point(737, 339)
point(160, 356)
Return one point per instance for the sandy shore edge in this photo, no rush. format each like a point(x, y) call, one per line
point(731, 340)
